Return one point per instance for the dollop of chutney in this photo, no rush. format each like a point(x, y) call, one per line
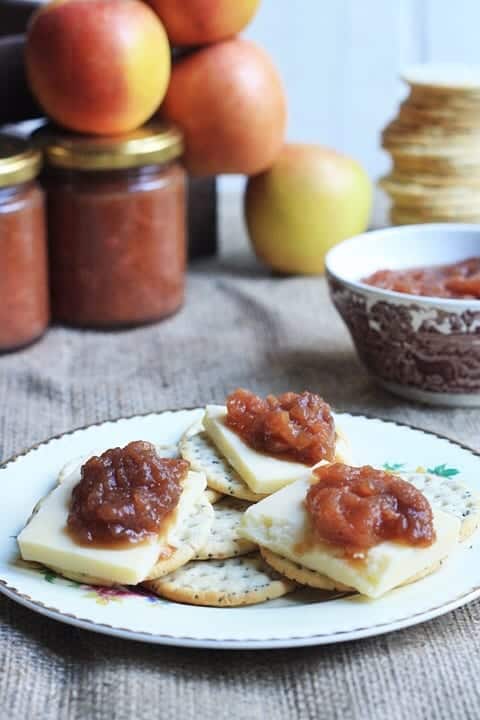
point(124, 495)
point(359, 507)
point(297, 427)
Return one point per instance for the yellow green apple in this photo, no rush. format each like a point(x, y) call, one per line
point(309, 200)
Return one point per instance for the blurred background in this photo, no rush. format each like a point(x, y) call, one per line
point(341, 59)
point(104, 69)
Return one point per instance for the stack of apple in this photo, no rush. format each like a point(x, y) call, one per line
point(104, 67)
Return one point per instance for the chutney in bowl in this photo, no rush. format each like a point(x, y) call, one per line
point(421, 347)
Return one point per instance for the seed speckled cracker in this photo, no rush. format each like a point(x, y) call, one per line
point(204, 457)
point(224, 540)
point(451, 496)
point(223, 583)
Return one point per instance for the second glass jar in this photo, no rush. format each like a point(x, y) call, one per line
point(116, 226)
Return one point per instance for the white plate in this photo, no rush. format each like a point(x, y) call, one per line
point(296, 620)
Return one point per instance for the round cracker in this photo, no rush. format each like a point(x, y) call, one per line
point(399, 216)
point(451, 496)
point(410, 192)
point(444, 77)
point(223, 583)
point(204, 457)
point(301, 575)
point(224, 540)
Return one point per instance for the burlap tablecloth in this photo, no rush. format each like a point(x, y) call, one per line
point(239, 327)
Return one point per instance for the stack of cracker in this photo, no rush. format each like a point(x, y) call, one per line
point(434, 143)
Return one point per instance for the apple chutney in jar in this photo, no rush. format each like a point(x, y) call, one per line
point(116, 225)
point(24, 310)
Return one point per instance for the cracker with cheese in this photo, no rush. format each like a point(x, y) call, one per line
point(236, 469)
point(263, 474)
point(45, 538)
point(192, 533)
point(223, 583)
point(281, 524)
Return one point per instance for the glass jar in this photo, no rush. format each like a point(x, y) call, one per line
point(116, 226)
point(24, 310)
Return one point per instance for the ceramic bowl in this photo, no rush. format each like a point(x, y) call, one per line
point(422, 348)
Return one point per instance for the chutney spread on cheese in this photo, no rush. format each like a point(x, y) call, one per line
point(124, 495)
point(459, 280)
point(297, 427)
point(360, 507)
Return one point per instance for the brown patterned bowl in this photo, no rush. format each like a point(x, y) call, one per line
point(422, 348)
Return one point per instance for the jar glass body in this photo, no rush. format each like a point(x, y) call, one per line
point(24, 305)
point(117, 244)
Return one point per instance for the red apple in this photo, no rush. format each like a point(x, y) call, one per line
point(229, 101)
point(98, 66)
point(200, 22)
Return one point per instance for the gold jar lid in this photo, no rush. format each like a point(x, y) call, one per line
point(19, 162)
point(152, 144)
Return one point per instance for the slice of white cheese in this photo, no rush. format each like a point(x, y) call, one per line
point(45, 539)
point(263, 473)
point(280, 524)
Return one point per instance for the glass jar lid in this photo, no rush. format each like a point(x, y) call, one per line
point(19, 162)
point(152, 144)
